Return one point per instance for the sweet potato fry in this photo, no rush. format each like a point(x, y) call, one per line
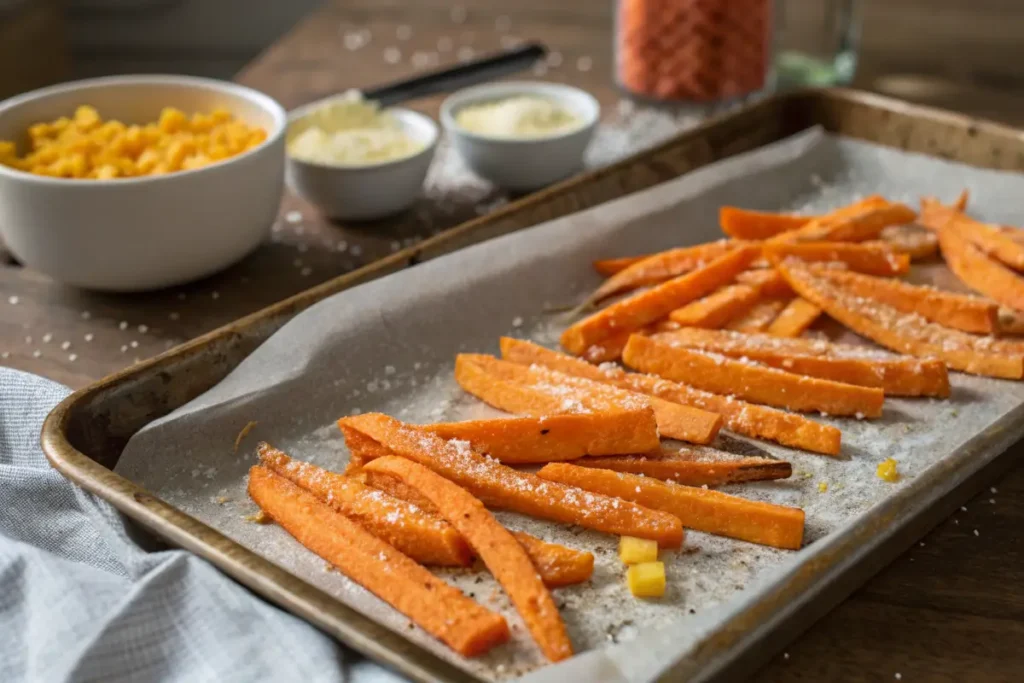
point(558, 565)
point(874, 258)
point(441, 610)
point(768, 281)
point(758, 318)
point(716, 308)
point(1010, 321)
point(608, 267)
point(903, 332)
point(550, 438)
point(361, 449)
point(647, 307)
point(741, 417)
point(751, 381)
point(610, 349)
point(797, 316)
point(698, 466)
point(659, 267)
point(992, 240)
point(497, 547)
point(979, 271)
point(959, 311)
point(420, 535)
point(713, 512)
point(500, 486)
point(856, 223)
point(913, 240)
point(508, 386)
point(896, 375)
point(757, 225)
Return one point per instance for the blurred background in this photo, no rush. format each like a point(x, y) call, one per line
point(962, 54)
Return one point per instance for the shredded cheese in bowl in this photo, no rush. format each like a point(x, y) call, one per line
point(520, 117)
point(350, 131)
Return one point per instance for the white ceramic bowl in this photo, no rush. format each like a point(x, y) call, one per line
point(370, 191)
point(142, 233)
point(523, 165)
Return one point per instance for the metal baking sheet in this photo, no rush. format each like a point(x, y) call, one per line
point(388, 346)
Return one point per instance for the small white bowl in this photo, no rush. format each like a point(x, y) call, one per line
point(523, 165)
point(143, 233)
point(365, 191)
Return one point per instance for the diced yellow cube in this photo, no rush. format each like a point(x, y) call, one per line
point(646, 580)
point(887, 470)
point(634, 550)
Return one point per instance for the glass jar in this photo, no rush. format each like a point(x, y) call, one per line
point(816, 42)
point(693, 50)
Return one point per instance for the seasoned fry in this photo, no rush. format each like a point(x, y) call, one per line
point(361, 449)
point(705, 510)
point(550, 438)
point(990, 239)
point(797, 316)
point(699, 466)
point(874, 258)
point(441, 610)
point(758, 225)
point(744, 418)
point(751, 381)
point(716, 308)
point(978, 271)
point(859, 222)
point(500, 486)
point(913, 240)
point(506, 386)
point(610, 349)
point(557, 565)
point(608, 267)
point(420, 535)
point(959, 311)
point(896, 375)
point(497, 547)
point(647, 307)
point(768, 280)
point(758, 318)
point(659, 267)
point(903, 332)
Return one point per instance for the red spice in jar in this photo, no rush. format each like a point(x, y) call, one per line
point(693, 49)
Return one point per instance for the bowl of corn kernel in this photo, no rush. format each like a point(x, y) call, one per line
point(131, 183)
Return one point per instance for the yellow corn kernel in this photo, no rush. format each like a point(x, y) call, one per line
point(39, 131)
point(177, 151)
point(201, 123)
point(172, 120)
point(887, 470)
point(634, 550)
point(646, 580)
point(107, 171)
point(147, 160)
point(86, 118)
point(221, 115)
point(77, 165)
point(218, 151)
point(7, 150)
point(256, 137)
point(195, 161)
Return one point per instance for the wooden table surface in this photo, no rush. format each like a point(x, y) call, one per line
point(950, 609)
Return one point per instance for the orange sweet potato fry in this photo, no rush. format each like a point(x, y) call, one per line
point(705, 510)
point(505, 558)
point(903, 332)
point(716, 308)
point(797, 316)
point(698, 466)
point(647, 307)
point(608, 267)
point(608, 350)
point(361, 449)
point(896, 375)
point(515, 388)
point(959, 311)
point(768, 280)
point(741, 417)
point(874, 258)
point(758, 318)
point(439, 609)
point(551, 438)
point(979, 271)
point(913, 240)
point(418, 534)
point(859, 222)
point(557, 564)
point(751, 381)
point(500, 486)
point(757, 225)
point(659, 267)
point(991, 239)
point(1010, 321)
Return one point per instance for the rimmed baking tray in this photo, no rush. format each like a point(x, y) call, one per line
point(85, 435)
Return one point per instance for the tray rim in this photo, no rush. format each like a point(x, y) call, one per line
point(275, 584)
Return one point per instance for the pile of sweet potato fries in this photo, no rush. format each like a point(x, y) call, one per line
point(697, 339)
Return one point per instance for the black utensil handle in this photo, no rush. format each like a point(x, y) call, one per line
point(448, 80)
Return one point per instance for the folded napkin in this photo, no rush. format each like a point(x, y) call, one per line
point(84, 596)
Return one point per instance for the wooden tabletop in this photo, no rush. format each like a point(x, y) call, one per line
point(951, 608)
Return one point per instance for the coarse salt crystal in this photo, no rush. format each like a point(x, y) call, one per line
point(65, 345)
point(13, 300)
point(88, 337)
point(517, 321)
point(47, 338)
